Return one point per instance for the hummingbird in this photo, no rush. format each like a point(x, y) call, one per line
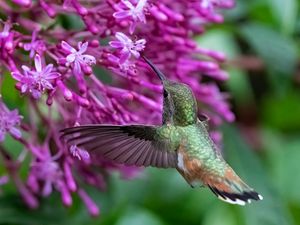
point(182, 142)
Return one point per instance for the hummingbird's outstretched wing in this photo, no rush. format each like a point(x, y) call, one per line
point(131, 145)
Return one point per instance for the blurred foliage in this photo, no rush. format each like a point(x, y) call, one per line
point(263, 145)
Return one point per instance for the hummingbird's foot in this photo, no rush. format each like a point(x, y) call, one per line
point(196, 183)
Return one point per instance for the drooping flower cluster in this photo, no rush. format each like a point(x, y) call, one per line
point(61, 73)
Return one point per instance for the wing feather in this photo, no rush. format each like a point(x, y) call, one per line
point(131, 145)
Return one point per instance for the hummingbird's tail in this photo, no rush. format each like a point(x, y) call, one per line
point(232, 189)
point(221, 179)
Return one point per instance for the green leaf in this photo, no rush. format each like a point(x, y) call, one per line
point(221, 214)
point(239, 87)
point(271, 210)
point(14, 211)
point(10, 95)
point(260, 11)
point(238, 12)
point(283, 156)
point(219, 40)
point(278, 52)
point(138, 216)
point(103, 75)
point(282, 112)
point(285, 13)
point(71, 21)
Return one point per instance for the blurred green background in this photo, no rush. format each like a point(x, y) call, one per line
point(261, 39)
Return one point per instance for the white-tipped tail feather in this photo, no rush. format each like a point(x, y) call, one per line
point(236, 198)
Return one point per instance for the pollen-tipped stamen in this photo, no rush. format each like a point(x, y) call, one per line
point(161, 76)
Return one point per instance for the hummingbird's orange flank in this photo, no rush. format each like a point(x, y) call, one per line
point(181, 142)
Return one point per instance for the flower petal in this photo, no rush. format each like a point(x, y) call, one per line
point(140, 45)
point(132, 27)
point(17, 76)
point(67, 47)
point(140, 5)
point(125, 55)
point(47, 69)
point(15, 132)
point(25, 68)
point(123, 38)
point(24, 88)
point(77, 68)
point(113, 58)
point(82, 47)
point(47, 189)
point(116, 44)
point(53, 75)
point(122, 14)
point(140, 42)
point(48, 85)
point(38, 63)
point(135, 53)
point(32, 51)
point(36, 93)
point(128, 4)
point(27, 46)
point(71, 58)
point(5, 31)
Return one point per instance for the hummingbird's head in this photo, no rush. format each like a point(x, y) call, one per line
point(180, 106)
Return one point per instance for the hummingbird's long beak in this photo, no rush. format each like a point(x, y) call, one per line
point(161, 76)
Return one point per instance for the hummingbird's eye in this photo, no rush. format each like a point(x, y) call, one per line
point(165, 94)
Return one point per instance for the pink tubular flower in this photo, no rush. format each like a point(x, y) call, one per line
point(76, 57)
point(136, 13)
point(6, 38)
point(127, 46)
point(8, 122)
point(25, 3)
point(90, 204)
point(38, 80)
point(5, 32)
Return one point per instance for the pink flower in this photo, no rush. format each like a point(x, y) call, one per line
point(136, 13)
point(38, 80)
point(35, 45)
point(124, 67)
point(48, 172)
point(8, 122)
point(127, 46)
point(76, 57)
